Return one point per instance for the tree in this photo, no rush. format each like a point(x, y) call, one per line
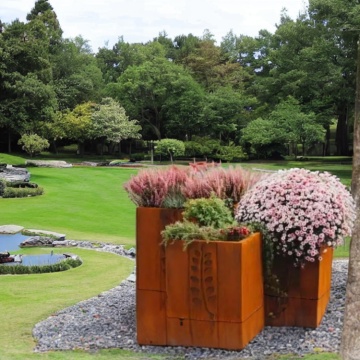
point(110, 123)
point(157, 93)
point(78, 124)
point(350, 341)
point(287, 125)
point(170, 147)
point(33, 144)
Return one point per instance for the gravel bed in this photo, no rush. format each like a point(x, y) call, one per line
point(108, 321)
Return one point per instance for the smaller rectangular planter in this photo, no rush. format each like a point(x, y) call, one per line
point(214, 293)
point(308, 292)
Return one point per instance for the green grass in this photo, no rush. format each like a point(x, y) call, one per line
point(85, 203)
point(28, 299)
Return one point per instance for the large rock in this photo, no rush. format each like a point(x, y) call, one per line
point(11, 173)
point(52, 234)
point(38, 241)
point(48, 163)
point(10, 229)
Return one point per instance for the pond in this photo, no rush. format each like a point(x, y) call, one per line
point(11, 242)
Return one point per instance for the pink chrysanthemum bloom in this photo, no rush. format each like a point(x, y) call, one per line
point(302, 210)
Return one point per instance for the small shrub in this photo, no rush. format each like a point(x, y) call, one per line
point(208, 212)
point(2, 186)
point(21, 184)
point(11, 192)
point(37, 269)
point(33, 144)
point(137, 157)
point(170, 147)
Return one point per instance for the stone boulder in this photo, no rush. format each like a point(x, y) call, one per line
point(48, 163)
point(12, 174)
point(37, 241)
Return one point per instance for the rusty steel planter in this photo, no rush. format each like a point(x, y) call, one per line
point(308, 292)
point(214, 293)
point(150, 273)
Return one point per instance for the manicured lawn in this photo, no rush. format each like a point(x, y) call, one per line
point(27, 299)
point(85, 203)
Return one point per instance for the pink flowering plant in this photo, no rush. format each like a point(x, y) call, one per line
point(157, 187)
point(301, 211)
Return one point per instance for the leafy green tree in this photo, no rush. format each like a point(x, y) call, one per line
point(33, 144)
point(157, 93)
point(170, 147)
point(78, 124)
point(226, 112)
point(285, 125)
point(110, 123)
point(76, 77)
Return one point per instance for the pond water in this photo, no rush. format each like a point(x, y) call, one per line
point(43, 259)
point(11, 243)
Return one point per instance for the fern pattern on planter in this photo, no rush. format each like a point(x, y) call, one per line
point(203, 290)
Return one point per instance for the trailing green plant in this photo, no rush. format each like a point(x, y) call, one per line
point(271, 281)
point(210, 211)
point(11, 192)
point(188, 231)
point(205, 219)
point(36, 269)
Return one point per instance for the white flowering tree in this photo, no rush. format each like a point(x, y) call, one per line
point(110, 123)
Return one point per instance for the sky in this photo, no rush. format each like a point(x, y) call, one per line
point(102, 22)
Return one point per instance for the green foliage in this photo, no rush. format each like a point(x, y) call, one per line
point(231, 153)
point(170, 147)
point(2, 186)
point(208, 212)
point(21, 184)
point(33, 144)
point(109, 121)
point(189, 231)
point(36, 269)
point(12, 192)
point(137, 157)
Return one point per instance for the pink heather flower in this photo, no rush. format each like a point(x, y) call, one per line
point(302, 210)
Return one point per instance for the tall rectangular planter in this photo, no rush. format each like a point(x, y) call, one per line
point(307, 292)
point(150, 273)
point(214, 293)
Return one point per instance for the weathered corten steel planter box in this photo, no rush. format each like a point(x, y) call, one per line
point(150, 273)
point(214, 293)
point(308, 292)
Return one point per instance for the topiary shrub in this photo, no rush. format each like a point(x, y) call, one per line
point(36, 269)
point(2, 186)
point(11, 192)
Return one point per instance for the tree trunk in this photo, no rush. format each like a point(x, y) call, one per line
point(326, 151)
point(350, 341)
point(9, 141)
point(342, 142)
